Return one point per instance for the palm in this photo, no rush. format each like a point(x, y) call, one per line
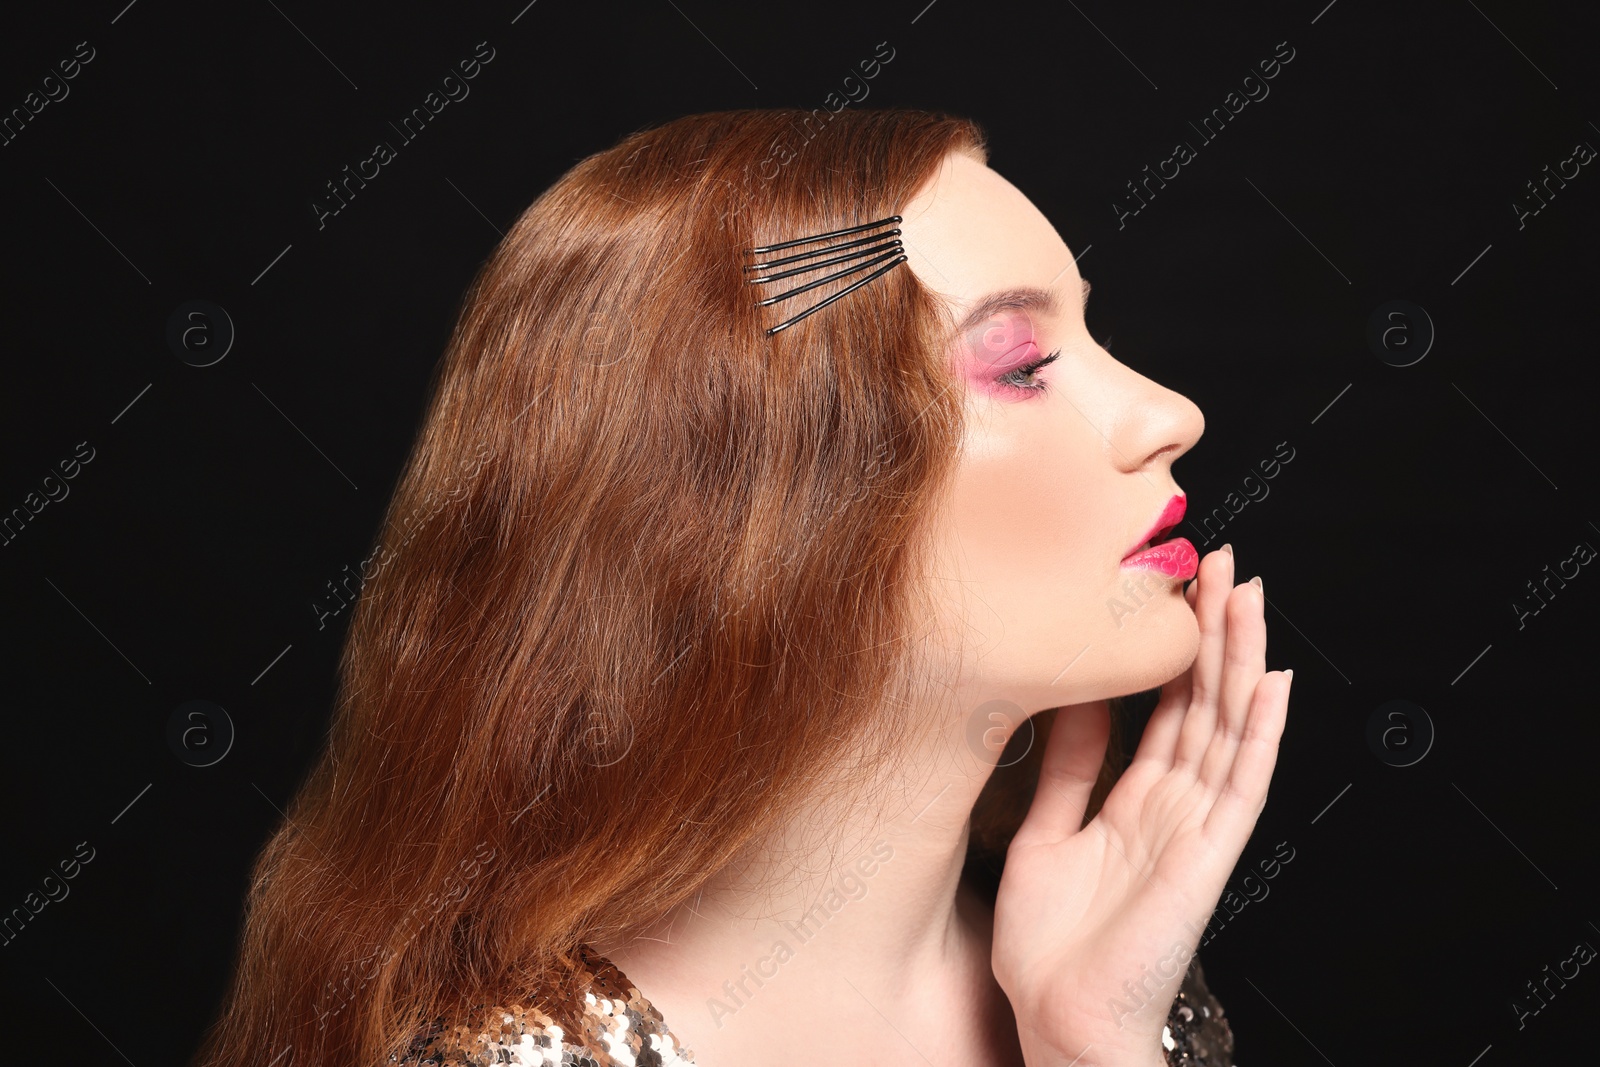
point(1094, 927)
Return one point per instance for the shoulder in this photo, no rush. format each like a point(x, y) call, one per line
point(600, 1020)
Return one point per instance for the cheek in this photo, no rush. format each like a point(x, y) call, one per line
point(1032, 510)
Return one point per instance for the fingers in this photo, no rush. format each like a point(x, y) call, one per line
point(1244, 792)
point(1215, 581)
point(1159, 743)
point(1244, 658)
point(1067, 771)
point(1243, 665)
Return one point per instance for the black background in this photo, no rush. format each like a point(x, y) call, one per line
point(221, 500)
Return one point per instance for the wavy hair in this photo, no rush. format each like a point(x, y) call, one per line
point(674, 580)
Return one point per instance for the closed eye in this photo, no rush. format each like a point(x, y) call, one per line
point(1021, 380)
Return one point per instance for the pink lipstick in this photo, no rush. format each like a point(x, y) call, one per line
point(1171, 557)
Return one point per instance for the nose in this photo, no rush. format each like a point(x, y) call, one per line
point(1154, 425)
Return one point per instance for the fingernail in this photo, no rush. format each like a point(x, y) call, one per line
point(1289, 673)
point(1228, 549)
point(1256, 581)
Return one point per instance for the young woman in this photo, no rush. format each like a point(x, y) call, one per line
point(741, 568)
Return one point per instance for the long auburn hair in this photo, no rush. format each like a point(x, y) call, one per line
point(646, 570)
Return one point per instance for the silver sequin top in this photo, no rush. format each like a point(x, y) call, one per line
point(606, 1022)
point(1197, 1032)
point(611, 1024)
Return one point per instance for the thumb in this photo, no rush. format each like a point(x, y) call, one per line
point(1069, 769)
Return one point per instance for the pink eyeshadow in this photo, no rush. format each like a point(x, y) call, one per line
point(1003, 344)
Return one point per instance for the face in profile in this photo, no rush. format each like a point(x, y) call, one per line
point(1065, 469)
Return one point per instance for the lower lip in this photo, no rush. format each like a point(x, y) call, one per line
point(1173, 558)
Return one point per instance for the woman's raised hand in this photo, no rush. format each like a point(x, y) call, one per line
point(1094, 927)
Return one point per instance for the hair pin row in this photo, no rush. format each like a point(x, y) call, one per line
point(870, 250)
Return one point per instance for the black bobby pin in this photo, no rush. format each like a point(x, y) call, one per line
point(888, 247)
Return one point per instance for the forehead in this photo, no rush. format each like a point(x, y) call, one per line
point(968, 233)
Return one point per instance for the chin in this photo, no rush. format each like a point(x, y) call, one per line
point(1165, 650)
point(1162, 645)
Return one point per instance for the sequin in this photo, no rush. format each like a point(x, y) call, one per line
point(1201, 1036)
point(608, 1021)
point(611, 1024)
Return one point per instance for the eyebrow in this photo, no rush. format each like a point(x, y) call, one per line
point(1022, 298)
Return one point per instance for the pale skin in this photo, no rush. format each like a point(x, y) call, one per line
point(1053, 488)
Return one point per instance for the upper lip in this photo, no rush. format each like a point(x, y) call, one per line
point(1170, 516)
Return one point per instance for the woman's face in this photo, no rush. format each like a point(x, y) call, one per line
point(1063, 470)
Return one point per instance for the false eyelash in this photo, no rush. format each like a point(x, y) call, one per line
point(1014, 378)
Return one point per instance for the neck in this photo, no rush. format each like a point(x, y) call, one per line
point(837, 924)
